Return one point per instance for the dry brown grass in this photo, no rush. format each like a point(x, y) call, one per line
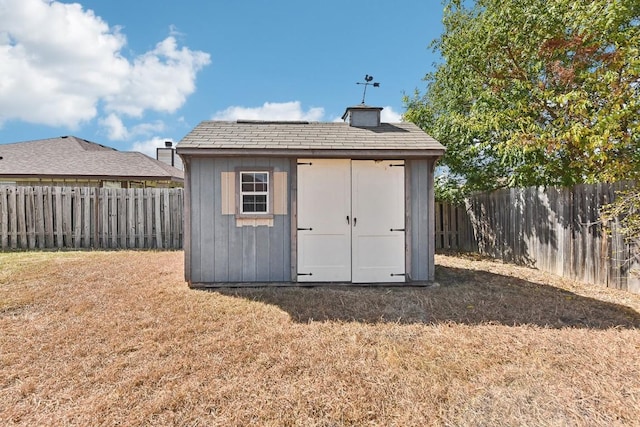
point(117, 338)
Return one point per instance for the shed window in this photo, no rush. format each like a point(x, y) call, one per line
point(254, 192)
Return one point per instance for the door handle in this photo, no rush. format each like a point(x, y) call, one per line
point(355, 221)
point(347, 219)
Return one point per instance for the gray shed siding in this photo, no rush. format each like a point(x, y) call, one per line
point(218, 250)
point(421, 214)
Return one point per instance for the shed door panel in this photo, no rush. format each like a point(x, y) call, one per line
point(324, 232)
point(351, 221)
point(378, 238)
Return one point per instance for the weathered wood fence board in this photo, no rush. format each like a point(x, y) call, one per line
point(84, 217)
point(453, 229)
point(553, 229)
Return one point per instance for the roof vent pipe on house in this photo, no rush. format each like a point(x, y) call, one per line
point(168, 144)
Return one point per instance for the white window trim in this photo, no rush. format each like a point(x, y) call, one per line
point(240, 193)
point(254, 193)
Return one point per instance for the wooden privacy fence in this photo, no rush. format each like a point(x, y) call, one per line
point(453, 228)
point(85, 217)
point(557, 230)
point(553, 229)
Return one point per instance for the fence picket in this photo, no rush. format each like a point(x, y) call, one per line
point(157, 223)
point(167, 218)
point(22, 220)
point(38, 210)
point(148, 224)
point(121, 200)
point(13, 218)
point(4, 217)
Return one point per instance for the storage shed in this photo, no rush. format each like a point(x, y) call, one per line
point(309, 203)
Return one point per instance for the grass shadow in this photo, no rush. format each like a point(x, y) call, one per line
point(464, 296)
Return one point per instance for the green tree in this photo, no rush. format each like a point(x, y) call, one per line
point(536, 92)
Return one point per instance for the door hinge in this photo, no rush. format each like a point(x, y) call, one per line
point(397, 166)
point(305, 229)
point(305, 274)
point(398, 274)
point(397, 229)
point(309, 164)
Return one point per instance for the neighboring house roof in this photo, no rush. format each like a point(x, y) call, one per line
point(68, 156)
point(308, 138)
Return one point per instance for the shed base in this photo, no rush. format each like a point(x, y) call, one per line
point(213, 285)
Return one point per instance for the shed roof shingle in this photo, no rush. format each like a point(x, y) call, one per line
point(304, 136)
point(75, 157)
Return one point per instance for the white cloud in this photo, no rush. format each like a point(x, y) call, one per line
point(149, 146)
point(387, 115)
point(59, 62)
point(147, 128)
point(117, 131)
point(271, 111)
point(159, 80)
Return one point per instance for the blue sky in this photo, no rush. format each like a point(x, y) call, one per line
point(132, 74)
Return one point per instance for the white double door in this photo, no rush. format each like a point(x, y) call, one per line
point(350, 221)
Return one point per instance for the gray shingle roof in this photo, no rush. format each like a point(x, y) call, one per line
point(75, 157)
point(219, 136)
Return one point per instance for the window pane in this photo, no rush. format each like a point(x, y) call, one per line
point(247, 182)
point(254, 181)
point(260, 180)
point(254, 203)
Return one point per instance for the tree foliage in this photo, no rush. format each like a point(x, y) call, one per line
point(536, 92)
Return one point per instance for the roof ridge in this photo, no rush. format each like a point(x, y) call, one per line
point(87, 145)
point(272, 122)
point(155, 162)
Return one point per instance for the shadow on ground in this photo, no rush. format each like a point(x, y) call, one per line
point(464, 296)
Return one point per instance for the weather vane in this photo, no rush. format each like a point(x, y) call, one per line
point(367, 82)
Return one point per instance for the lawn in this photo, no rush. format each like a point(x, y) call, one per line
point(117, 338)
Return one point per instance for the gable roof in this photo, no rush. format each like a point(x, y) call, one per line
point(273, 138)
point(68, 156)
